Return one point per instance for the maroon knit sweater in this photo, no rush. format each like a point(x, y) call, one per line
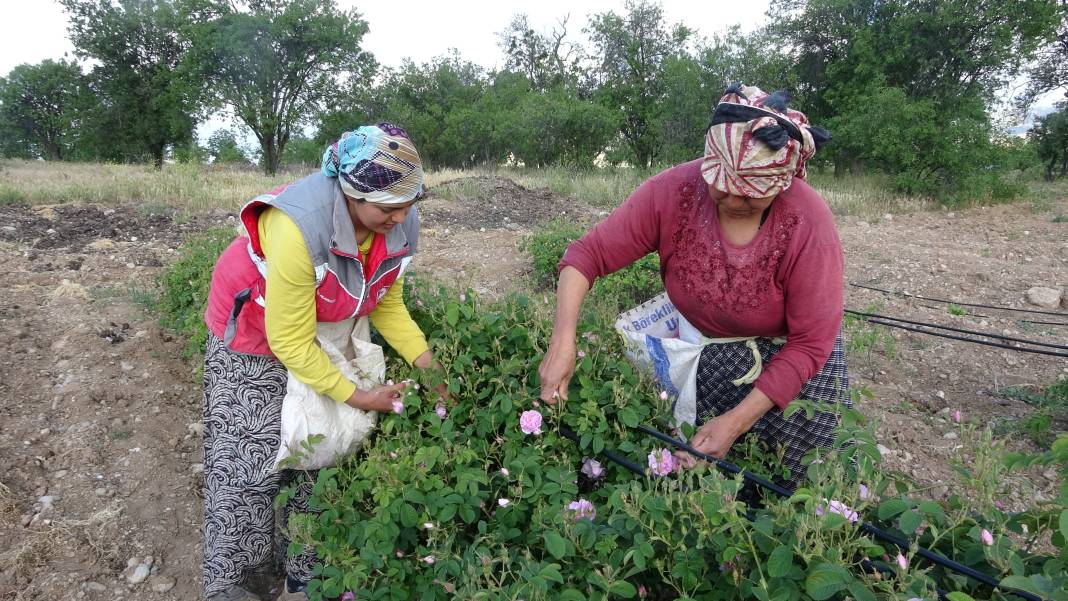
point(786, 282)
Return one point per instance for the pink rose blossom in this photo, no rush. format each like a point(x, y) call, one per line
point(592, 469)
point(440, 410)
point(429, 560)
point(584, 510)
point(999, 505)
point(663, 395)
point(398, 406)
point(504, 471)
point(581, 354)
point(503, 502)
point(536, 404)
point(902, 562)
point(986, 537)
point(841, 509)
point(662, 462)
point(530, 422)
point(400, 554)
point(348, 596)
point(429, 525)
point(642, 592)
point(956, 416)
point(463, 297)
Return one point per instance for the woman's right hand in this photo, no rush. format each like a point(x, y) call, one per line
point(556, 368)
point(379, 399)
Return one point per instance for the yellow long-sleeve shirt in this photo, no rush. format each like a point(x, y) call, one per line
point(290, 310)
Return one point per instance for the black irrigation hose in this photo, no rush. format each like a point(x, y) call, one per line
point(867, 528)
point(569, 434)
point(951, 329)
point(1046, 323)
point(952, 337)
point(949, 302)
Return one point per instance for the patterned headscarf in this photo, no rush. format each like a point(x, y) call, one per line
point(756, 145)
point(377, 163)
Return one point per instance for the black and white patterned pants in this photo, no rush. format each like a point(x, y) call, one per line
point(795, 436)
point(242, 419)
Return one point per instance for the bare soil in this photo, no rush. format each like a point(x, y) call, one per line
point(99, 422)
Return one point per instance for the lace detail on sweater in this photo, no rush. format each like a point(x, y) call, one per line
point(732, 280)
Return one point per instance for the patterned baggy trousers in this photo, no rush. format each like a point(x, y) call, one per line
point(242, 420)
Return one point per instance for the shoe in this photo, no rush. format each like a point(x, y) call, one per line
point(236, 593)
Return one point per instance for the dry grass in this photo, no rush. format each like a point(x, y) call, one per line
point(195, 188)
point(97, 534)
point(188, 188)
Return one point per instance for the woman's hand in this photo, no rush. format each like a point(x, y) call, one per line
point(714, 438)
point(557, 367)
point(426, 361)
point(717, 435)
point(379, 399)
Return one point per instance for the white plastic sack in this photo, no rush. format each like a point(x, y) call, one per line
point(305, 412)
point(658, 339)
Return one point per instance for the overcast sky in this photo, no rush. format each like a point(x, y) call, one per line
point(421, 30)
point(32, 31)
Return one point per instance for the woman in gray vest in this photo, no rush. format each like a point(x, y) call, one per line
point(328, 248)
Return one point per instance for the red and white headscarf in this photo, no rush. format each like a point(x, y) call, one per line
point(756, 145)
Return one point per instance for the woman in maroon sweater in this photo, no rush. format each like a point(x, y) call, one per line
point(747, 249)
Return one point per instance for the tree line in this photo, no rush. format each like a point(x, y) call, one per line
point(907, 86)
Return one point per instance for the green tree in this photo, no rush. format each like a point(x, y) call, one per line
point(147, 101)
point(1049, 71)
point(303, 152)
point(943, 61)
point(41, 106)
point(277, 62)
point(1050, 137)
point(632, 50)
point(547, 60)
point(224, 149)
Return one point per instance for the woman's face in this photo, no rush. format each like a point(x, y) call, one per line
point(739, 207)
point(379, 218)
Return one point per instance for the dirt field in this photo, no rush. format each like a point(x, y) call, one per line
point(99, 422)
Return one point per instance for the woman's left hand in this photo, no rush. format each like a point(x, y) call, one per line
point(717, 435)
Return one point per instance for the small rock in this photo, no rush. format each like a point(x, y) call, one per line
point(148, 560)
point(197, 468)
point(60, 474)
point(125, 366)
point(161, 584)
point(1048, 298)
point(940, 394)
point(1050, 474)
point(138, 574)
point(95, 587)
point(101, 492)
point(883, 450)
point(949, 435)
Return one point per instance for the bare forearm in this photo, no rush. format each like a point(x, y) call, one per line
point(752, 408)
point(570, 293)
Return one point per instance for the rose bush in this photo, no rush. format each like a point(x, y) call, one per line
point(520, 512)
